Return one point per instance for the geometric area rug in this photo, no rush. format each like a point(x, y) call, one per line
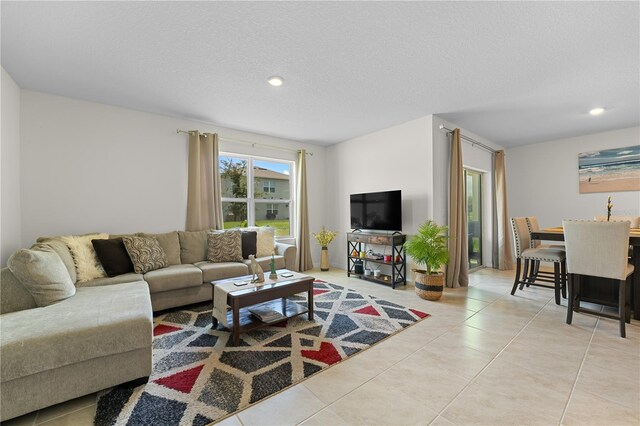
point(199, 377)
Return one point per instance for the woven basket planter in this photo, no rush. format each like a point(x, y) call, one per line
point(429, 287)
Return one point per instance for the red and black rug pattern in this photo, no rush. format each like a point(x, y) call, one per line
point(200, 377)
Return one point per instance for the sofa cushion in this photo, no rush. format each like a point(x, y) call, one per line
point(218, 271)
point(13, 295)
point(265, 263)
point(113, 256)
point(43, 274)
point(145, 253)
point(193, 246)
point(88, 266)
point(173, 277)
point(120, 279)
point(224, 246)
point(266, 241)
point(96, 322)
point(63, 251)
point(170, 243)
point(249, 243)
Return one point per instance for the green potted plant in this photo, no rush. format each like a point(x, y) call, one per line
point(429, 248)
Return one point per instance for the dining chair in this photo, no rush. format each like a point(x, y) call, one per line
point(598, 249)
point(535, 271)
point(532, 256)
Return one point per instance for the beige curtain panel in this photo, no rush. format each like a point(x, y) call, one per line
point(303, 260)
point(505, 253)
point(204, 204)
point(458, 267)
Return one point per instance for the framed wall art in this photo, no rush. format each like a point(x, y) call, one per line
point(610, 170)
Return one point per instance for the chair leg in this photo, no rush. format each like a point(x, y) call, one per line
point(517, 279)
point(556, 279)
point(563, 274)
point(622, 308)
point(533, 275)
point(570, 299)
point(525, 273)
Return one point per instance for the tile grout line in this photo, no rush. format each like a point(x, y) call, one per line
point(575, 382)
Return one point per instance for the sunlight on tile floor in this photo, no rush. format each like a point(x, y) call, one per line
point(483, 357)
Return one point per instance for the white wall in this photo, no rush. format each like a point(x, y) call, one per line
point(10, 217)
point(542, 179)
point(398, 157)
point(89, 167)
point(473, 157)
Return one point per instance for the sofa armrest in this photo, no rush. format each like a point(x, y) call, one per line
point(289, 253)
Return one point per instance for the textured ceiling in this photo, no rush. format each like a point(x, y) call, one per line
point(513, 72)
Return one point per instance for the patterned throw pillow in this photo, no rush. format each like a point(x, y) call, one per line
point(225, 246)
point(146, 253)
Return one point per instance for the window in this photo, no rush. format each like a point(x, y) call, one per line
point(268, 186)
point(256, 192)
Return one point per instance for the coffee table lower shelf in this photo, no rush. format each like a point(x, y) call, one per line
point(248, 321)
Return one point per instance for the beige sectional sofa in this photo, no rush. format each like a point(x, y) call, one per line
point(101, 336)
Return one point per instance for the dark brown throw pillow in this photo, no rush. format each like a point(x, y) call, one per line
point(249, 243)
point(113, 255)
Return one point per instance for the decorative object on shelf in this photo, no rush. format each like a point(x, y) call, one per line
point(324, 238)
point(429, 247)
point(609, 207)
point(257, 274)
point(273, 275)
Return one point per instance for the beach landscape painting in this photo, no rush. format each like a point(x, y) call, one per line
point(610, 170)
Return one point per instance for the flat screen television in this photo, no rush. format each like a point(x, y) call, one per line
point(381, 211)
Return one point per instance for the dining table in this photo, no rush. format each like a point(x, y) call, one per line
point(593, 291)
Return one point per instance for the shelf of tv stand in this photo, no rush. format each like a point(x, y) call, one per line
point(373, 259)
point(385, 279)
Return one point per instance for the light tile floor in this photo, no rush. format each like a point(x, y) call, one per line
point(483, 357)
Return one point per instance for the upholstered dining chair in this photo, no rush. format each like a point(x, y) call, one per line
point(535, 271)
point(528, 274)
point(598, 249)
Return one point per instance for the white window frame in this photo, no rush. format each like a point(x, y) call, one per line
point(252, 201)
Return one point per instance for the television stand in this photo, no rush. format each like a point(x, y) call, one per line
point(394, 270)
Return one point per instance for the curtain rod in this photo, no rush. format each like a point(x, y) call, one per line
point(253, 144)
point(468, 139)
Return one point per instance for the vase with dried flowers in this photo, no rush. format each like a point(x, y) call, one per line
point(324, 238)
point(609, 207)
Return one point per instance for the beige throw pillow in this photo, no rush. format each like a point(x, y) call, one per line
point(146, 253)
point(43, 274)
point(224, 246)
point(88, 267)
point(266, 243)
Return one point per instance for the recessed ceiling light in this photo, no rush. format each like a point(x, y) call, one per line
point(275, 81)
point(596, 111)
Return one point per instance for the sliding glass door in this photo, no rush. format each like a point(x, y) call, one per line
point(473, 189)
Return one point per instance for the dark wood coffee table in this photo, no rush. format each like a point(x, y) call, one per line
point(270, 295)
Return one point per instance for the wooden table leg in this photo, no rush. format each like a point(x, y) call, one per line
point(236, 322)
point(635, 288)
point(310, 302)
